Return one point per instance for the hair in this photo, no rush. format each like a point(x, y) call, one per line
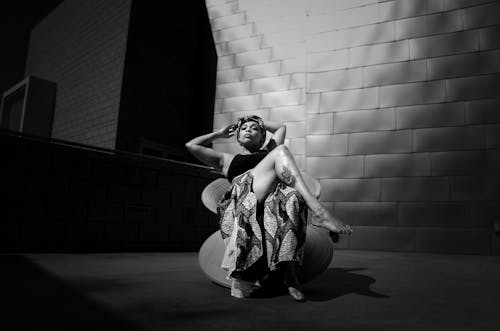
point(252, 118)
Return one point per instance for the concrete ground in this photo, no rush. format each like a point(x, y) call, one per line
point(167, 291)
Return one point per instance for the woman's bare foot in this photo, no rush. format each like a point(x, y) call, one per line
point(296, 294)
point(292, 281)
point(241, 289)
point(321, 217)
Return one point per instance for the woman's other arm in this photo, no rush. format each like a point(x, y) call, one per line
point(198, 147)
point(278, 130)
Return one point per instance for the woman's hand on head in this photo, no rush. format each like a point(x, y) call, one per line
point(228, 131)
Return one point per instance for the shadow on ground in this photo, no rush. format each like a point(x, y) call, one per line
point(36, 300)
point(332, 284)
point(337, 282)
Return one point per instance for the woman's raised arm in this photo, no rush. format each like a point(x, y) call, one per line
point(278, 130)
point(197, 147)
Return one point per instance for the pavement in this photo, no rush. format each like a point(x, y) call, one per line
point(361, 290)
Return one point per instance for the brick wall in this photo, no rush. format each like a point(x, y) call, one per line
point(392, 105)
point(81, 47)
point(64, 197)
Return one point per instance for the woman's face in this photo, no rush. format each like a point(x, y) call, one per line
point(250, 136)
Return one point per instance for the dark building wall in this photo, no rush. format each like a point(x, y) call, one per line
point(71, 198)
point(169, 79)
point(165, 54)
point(81, 47)
point(68, 198)
point(16, 21)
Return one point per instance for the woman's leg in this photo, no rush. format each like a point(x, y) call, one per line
point(291, 280)
point(279, 165)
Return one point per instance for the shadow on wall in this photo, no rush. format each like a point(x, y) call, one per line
point(433, 135)
point(405, 141)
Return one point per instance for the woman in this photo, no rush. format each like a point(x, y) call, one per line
point(263, 216)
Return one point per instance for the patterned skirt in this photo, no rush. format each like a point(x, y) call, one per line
point(270, 234)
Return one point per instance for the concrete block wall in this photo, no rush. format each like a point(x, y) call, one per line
point(81, 47)
point(392, 105)
point(261, 67)
point(63, 198)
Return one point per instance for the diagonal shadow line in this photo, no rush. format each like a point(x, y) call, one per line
point(336, 282)
point(38, 300)
point(333, 283)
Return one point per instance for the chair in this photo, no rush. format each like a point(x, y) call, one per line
point(318, 249)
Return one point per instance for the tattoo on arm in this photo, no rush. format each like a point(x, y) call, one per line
point(288, 177)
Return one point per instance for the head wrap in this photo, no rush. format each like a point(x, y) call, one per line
point(256, 119)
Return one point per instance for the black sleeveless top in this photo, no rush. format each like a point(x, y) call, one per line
point(244, 162)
